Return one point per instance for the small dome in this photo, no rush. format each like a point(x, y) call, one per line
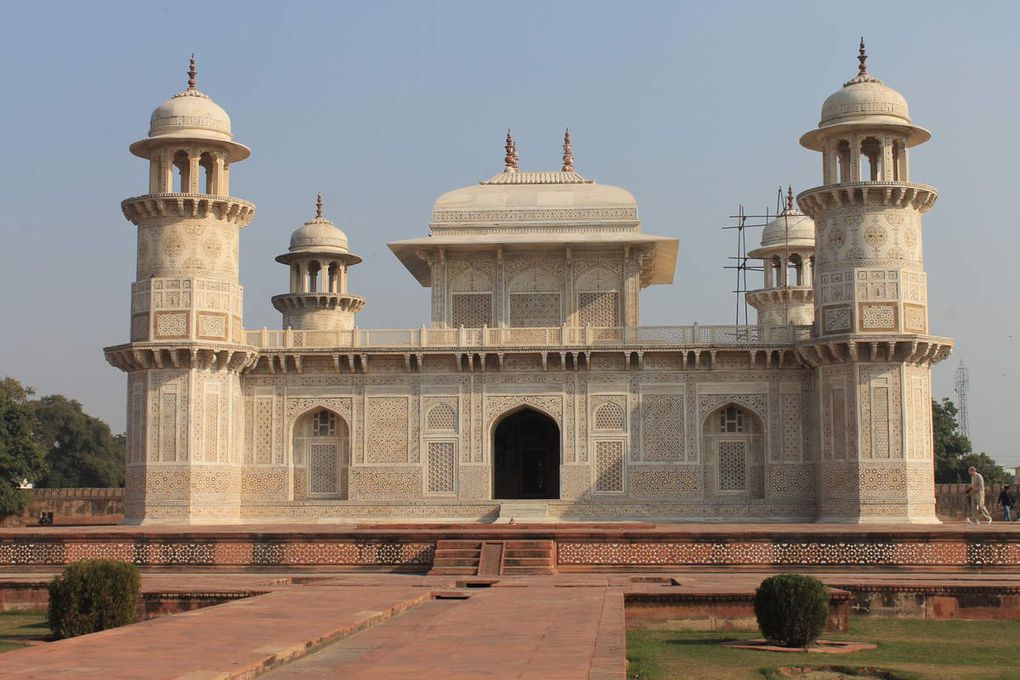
point(865, 99)
point(791, 229)
point(190, 113)
point(319, 235)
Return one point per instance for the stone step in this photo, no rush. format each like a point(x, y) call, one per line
point(524, 511)
point(458, 544)
point(529, 545)
point(453, 571)
point(527, 561)
point(528, 571)
point(457, 553)
point(455, 562)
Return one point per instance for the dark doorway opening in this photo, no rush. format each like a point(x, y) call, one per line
point(526, 456)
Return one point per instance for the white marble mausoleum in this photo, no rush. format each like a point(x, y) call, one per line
point(534, 391)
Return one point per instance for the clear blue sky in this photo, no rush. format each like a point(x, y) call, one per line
point(383, 106)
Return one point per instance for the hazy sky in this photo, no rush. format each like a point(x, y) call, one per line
point(383, 106)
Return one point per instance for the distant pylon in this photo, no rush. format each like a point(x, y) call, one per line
point(962, 386)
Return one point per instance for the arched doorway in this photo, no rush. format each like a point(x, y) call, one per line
point(322, 455)
point(526, 456)
point(733, 442)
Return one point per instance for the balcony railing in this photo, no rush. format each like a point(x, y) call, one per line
point(579, 336)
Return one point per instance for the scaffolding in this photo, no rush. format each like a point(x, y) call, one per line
point(743, 222)
point(962, 388)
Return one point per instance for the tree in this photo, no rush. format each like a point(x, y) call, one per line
point(21, 456)
point(80, 449)
point(953, 451)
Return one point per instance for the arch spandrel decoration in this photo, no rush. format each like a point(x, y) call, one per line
point(550, 405)
point(298, 406)
point(756, 403)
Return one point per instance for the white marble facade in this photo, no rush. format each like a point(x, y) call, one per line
point(535, 382)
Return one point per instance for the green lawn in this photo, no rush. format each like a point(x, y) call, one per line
point(936, 650)
point(21, 625)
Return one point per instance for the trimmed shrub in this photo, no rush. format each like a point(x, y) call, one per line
point(93, 595)
point(791, 609)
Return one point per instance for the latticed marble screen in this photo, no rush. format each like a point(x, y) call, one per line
point(471, 310)
point(535, 310)
point(609, 466)
point(732, 466)
point(599, 308)
point(323, 469)
point(441, 417)
point(610, 416)
point(442, 462)
point(662, 432)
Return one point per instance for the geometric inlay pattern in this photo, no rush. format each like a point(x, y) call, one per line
point(535, 310)
point(323, 469)
point(598, 308)
point(609, 466)
point(442, 464)
point(732, 466)
point(471, 310)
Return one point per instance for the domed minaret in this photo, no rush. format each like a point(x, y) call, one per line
point(187, 342)
point(871, 346)
point(319, 256)
point(787, 253)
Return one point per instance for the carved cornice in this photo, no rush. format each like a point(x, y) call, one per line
point(921, 350)
point(141, 356)
point(814, 202)
point(759, 299)
point(195, 206)
point(332, 301)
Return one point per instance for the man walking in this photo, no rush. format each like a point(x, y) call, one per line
point(978, 511)
point(1006, 500)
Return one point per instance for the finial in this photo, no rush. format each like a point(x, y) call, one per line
point(789, 198)
point(318, 206)
point(510, 160)
point(862, 57)
point(192, 73)
point(568, 152)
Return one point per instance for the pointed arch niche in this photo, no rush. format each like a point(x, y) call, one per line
point(733, 446)
point(322, 455)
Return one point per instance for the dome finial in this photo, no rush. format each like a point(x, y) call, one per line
point(192, 73)
point(510, 160)
point(318, 206)
point(862, 57)
point(568, 152)
point(789, 198)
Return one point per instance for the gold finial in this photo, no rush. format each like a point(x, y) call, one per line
point(568, 152)
point(510, 160)
point(862, 57)
point(789, 198)
point(318, 206)
point(192, 73)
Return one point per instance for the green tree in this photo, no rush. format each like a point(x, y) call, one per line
point(80, 449)
point(953, 451)
point(21, 456)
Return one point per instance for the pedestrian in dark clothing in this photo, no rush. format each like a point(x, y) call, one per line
point(1007, 502)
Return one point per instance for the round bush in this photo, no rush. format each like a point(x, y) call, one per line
point(93, 595)
point(791, 609)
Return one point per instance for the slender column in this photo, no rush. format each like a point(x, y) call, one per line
point(194, 173)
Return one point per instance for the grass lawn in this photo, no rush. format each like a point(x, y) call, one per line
point(936, 650)
point(21, 625)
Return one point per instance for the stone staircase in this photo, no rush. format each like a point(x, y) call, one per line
point(523, 511)
point(494, 558)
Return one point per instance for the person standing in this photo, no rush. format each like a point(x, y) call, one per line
point(978, 511)
point(1007, 501)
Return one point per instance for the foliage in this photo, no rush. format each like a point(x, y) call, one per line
point(791, 609)
point(953, 452)
point(910, 648)
point(21, 457)
point(93, 595)
point(81, 450)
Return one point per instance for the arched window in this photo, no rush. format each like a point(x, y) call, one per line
point(733, 445)
point(610, 416)
point(313, 277)
point(334, 270)
point(843, 160)
point(207, 170)
point(871, 158)
point(796, 268)
point(182, 178)
point(899, 160)
point(777, 266)
point(321, 455)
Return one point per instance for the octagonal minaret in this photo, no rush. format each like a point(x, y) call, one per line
point(871, 345)
point(319, 257)
point(187, 342)
point(787, 253)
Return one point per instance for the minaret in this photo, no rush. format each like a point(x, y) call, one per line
point(318, 256)
point(787, 253)
point(187, 343)
point(871, 346)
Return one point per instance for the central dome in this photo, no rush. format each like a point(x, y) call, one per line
point(319, 235)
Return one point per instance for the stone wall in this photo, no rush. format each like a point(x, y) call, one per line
point(951, 501)
point(72, 507)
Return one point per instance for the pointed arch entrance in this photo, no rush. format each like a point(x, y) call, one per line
point(322, 455)
point(526, 456)
point(733, 441)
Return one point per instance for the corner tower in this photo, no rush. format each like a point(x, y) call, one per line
point(871, 346)
point(187, 342)
point(319, 256)
point(787, 253)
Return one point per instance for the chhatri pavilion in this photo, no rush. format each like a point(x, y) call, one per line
point(534, 392)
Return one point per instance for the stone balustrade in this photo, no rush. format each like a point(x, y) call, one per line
point(648, 336)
